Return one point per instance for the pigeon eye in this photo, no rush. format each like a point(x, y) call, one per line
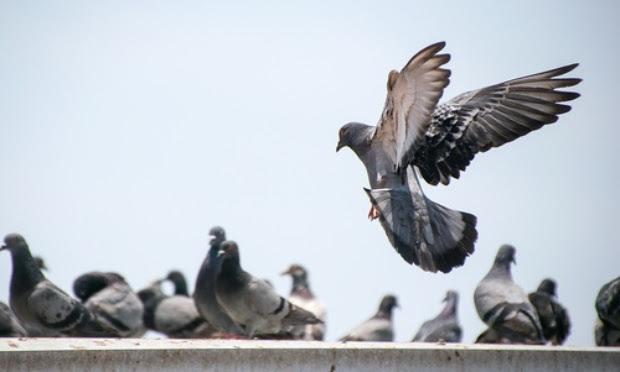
point(342, 131)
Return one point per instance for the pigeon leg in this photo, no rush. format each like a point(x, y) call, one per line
point(373, 214)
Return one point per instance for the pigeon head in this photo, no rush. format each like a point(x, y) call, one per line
point(388, 303)
point(300, 280)
point(451, 300)
point(296, 271)
point(506, 255)
point(547, 286)
point(14, 243)
point(40, 263)
point(86, 285)
point(229, 250)
point(355, 136)
point(217, 235)
point(180, 284)
point(451, 296)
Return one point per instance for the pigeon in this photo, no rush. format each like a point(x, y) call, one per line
point(9, 325)
point(111, 299)
point(441, 140)
point(41, 305)
point(553, 316)
point(251, 303)
point(445, 326)
point(175, 316)
point(302, 296)
point(204, 290)
point(607, 330)
point(377, 328)
point(504, 306)
point(178, 280)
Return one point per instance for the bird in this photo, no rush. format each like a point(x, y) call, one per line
point(252, 303)
point(379, 327)
point(43, 306)
point(503, 305)
point(9, 325)
point(554, 318)
point(302, 296)
point(204, 290)
point(445, 326)
point(180, 283)
point(607, 304)
point(111, 299)
point(175, 316)
point(440, 141)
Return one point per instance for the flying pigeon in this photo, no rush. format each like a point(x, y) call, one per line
point(9, 325)
point(251, 303)
point(204, 290)
point(111, 299)
point(175, 316)
point(441, 140)
point(377, 328)
point(302, 296)
point(41, 305)
point(607, 332)
point(445, 326)
point(553, 316)
point(503, 305)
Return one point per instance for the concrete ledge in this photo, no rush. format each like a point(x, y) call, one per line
point(66, 354)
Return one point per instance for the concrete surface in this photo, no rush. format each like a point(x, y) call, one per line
point(32, 354)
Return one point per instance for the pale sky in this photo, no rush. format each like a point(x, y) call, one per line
point(129, 129)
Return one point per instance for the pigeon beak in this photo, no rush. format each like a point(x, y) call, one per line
point(339, 146)
point(212, 238)
point(514, 260)
point(3, 247)
point(221, 252)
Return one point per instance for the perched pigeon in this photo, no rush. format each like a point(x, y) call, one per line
point(9, 325)
point(40, 304)
point(445, 326)
point(302, 296)
point(607, 332)
point(178, 280)
point(441, 141)
point(111, 299)
point(377, 328)
point(204, 290)
point(175, 316)
point(553, 316)
point(253, 304)
point(503, 305)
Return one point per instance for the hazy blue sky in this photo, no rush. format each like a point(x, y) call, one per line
point(129, 129)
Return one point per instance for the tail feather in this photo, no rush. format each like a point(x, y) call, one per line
point(299, 316)
point(423, 232)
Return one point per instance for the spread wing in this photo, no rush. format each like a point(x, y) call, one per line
point(412, 96)
point(490, 117)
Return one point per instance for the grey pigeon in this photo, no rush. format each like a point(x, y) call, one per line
point(204, 290)
point(41, 305)
point(445, 326)
point(441, 140)
point(175, 316)
point(252, 303)
point(607, 332)
point(9, 325)
point(377, 328)
point(553, 316)
point(302, 296)
point(111, 299)
point(178, 280)
point(503, 305)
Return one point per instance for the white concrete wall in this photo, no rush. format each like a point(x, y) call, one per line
point(219, 355)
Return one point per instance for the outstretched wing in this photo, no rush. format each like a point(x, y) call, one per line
point(489, 117)
point(412, 96)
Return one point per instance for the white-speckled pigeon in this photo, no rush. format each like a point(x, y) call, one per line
point(553, 316)
point(204, 290)
point(441, 141)
point(175, 316)
point(252, 303)
point(41, 305)
point(503, 305)
point(9, 325)
point(377, 328)
point(607, 330)
point(302, 296)
point(111, 299)
point(445, 326)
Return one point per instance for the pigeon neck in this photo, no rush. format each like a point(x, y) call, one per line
point(150, 305)
point(301, 286)
point(231, 270)
point(180, 287)
point(26, 273)
point(384, 312)
point(450, 307)
point(501, 269)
